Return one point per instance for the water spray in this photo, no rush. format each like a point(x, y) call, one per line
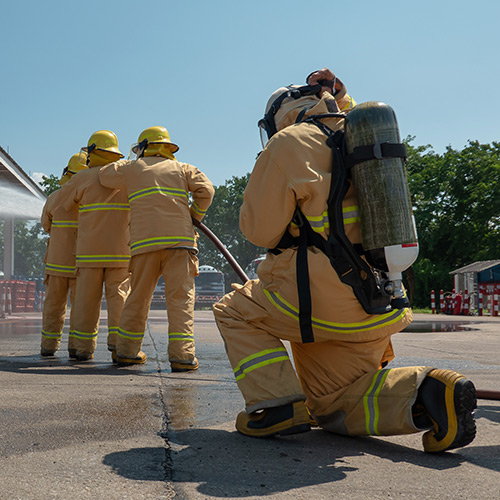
point(17, 204)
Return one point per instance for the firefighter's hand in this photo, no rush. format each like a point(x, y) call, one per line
point(322, 76)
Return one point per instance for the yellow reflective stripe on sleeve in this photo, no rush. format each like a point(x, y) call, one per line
point(351, 214)
point(319, 223)
point(370, 402)
point(64, 223)
point(376, 321)
point(258, 360)
point(197, 209)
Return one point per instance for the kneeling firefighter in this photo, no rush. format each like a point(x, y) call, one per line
point(164, 195)
point(337, 297)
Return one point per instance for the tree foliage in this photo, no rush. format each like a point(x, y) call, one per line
point(49, 184)
point(456, 198)
point(223, 219)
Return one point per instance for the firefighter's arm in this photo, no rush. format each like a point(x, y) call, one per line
point(202, 190)
point(268, 204)
point(334, 86)
point(68, 195)
point(113, 175)
point(46, 218)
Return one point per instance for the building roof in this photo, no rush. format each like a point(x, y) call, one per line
point(12, 174)
point(477, 267)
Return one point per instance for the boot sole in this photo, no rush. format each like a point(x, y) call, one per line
point(465, 402)
point(297, 424)
point(460, 402)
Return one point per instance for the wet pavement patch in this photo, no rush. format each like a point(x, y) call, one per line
point(437, 326)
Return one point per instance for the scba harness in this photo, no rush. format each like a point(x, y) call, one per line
point(345, 257)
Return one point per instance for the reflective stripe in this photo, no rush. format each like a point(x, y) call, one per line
point(377, 321)
point(82, 335)
point(102, 258)
point(351, 214)
point(319, 223)
point(158, 189)
point(51, 335)
point(350, 104)
point(260, 359)
point(104, 206)
point(61, 269)
point(161, 240)
point(112, 329)
point(197, 209)
point(186, 337)
point(130, 335)
point(64, 223)
point(370, 402)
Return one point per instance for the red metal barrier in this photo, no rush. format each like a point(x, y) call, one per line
point(441, 301)
point(433, 302)
point(465, 310)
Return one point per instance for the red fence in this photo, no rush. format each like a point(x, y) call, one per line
point(17, 296)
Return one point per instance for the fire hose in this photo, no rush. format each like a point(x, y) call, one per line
point(222, 249)
point(481, 394)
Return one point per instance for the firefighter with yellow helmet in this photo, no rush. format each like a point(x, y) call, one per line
point(164, 195)
point(102, 250)
point(340, 375)
point(59, 261)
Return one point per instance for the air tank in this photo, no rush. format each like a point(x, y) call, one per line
point(388, 232)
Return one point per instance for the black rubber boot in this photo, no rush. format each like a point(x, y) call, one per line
point(278, 421)
point(445, 401)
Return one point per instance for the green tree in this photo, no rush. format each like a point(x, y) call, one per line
point(456, 198)
point(223, 220)
point(49, 184)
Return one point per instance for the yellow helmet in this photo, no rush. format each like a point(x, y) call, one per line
point(102, 148)
point(76, 163)
point(155, 140)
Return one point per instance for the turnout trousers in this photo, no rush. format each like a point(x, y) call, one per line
point(57, 289)
point(178, 266)
point(341, 380)
point(87, 308)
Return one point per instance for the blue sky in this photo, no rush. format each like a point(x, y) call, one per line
point(205, 69)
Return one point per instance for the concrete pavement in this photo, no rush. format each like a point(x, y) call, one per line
point(95, 431)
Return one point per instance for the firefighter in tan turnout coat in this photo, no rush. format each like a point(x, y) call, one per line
point(339, 378)
point(162, 243)
point(102, 250)
point(59, 261)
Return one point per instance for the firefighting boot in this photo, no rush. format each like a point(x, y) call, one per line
point(184, 366)
point(84, 356)
point(445, 402)
point(47, 352)
point(292, 418)
point(139, 359)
